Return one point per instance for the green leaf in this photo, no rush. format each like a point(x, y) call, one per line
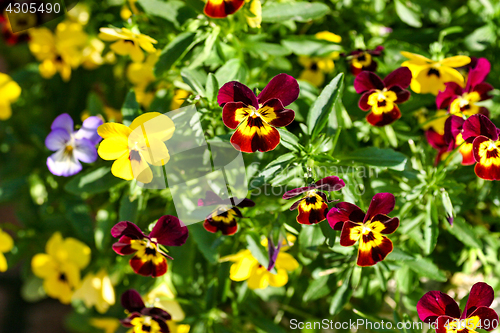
point(399, 255)
point(324, 104)
point(464, 232)
point(310, 237)
point(174, 51)
point(194, 79)
point(78, 213)
point(380, 157)
point(258, 251)
point(128, 209)
point(317, 288)
point(297, 11)
point(212, 88)
point(205, 241)
point(94, 181)
point(431, 227)
point(447, 205)
point(310, 46)
point(130, 108)
point(404, 278)
point(329, 233)
point(289, 140)
point(341, 296)
point(233, 70)
point(408, 14)
point(167, 10)
point(94, 104)
point(426, 268)
point(207, 49)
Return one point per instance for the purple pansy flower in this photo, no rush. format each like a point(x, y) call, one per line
point(72, 147)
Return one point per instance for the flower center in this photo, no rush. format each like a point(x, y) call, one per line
point(254, 112)
point(382, 101)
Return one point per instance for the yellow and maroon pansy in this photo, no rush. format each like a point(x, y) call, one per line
point(142, 319)
point(149, 259)
point(224, 216)
point(485, 147)
point(443, 313)
point(314, 205)
point(255, 117)
point(462, 101)
point(222, 8)
point(453, 129)
point(362, 60)
point(381, 96)
point(369, 229)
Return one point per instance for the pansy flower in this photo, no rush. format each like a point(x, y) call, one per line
point(127, 42)
point(60, 266)
point(430, 76)
point(224, 217)
point(255, 117)
point(222, 8)
point(246, 267)
point(140, 318)
point(137, 146)
point(485, 146)
point(369, 229)
point(362, 60)
point(255, 9)
point(149, 259)
point(313, 206)
point(10, 37)
point(443, 313)
point(96, 290)
point(462, 101)
point(71, 147)
point(6, 245)
point(381, 97)
point(10, 92)
point(453, 137)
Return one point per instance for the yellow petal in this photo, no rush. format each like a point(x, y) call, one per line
point(6, 242)
point(259, 278)
point(53, 244)
point(241, 269)
point(76, 252)
point(47, 69)
point(113, 148)
point(122, 168)
point(329, 36)
point(279, 279)
point(9, 90)
point(5, 111)
point(141, 170)
point(43, 265)
point(109, 130)
point(286, 261)
point(255, 20)
point(111, 34)
point(316, 77)
point(416, 57)
point(157, 153)
point(108, 325)
point(451, 75)
point(3, 263)
point(456, 61)
point(57, 289)
point(160, 126)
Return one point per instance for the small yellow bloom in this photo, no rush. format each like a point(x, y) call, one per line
point(79, 13)
point(329, 36)
point(9, 93)
point(316, 68)
point(246, 267)
point(129, 9)
point(435, 122)
point(255, 9)
point(60, 266)
point(92, 54)
point(6, 245)
point(127, 42)
point(133, 149)
point(96, 290)
point(142, 73)
point(180, 96)
point(107, 325)
point(429, 76)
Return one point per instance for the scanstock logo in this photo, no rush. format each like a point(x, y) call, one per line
point(200, 174)
point(23, 15)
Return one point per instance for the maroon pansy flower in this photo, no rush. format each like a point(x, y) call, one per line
point(462, 101)
point(370, 228)
point(362, 60)
point(313, 207)
point(443, 312)
point(141, 318)
point(381, 97)
point(223, 217)
point(255, 117)
point(453, 137)
point(484, 136)
point(149, 259)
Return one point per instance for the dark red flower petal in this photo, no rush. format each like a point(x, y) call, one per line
point(343, 212)
point(481, 294)
point(331, 183)
point(488, 318)
point(244, 203)
point(435, 304)
point(400, 77)
point(348, 228)
point(234, 113)
point(283, 87)
point(483, 89)
point(390, 223)
point(478, 74)
point(296, 204)
point(236, 92)
point(275, 114)
point(312, 212)
point(170, 231)
point(477, 125)
point(448, 95)
point(452, 128)
point(255, 135)
point(375, 251)
point(156, 313)
point(226, 224)
point(367, 81)
point(126, 228)
point(401, 94)
point(377, 51)
point(363, 101)
point(132, 301)
point(222, 8)
point(148, 268)
point(382, 203)
point(123, 247)
point(385, 118)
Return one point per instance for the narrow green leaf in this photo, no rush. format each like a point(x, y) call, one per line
point(258, 251)
point(407, 14)
point(297, 11)
point(426, 268)
point(130, 109)
point(341, 296)
point(381, 157)
point(431, 228)
point(289, 140)
point(174, 51)
point(212, 88)
point(464, 232)
point(317, 289)
point(94, 181)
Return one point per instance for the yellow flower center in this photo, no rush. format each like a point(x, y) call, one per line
point(145, 325)
point(465, 104)
point(489, 152)
point(382, 101)
point(362, 60)
point(147, 251)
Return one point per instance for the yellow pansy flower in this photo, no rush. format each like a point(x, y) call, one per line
point(129, 9)
point(435, 122)
point(247, 268)
point(255, 9)
point(134, 148)
point(127, 42)
point(429, 76)
point(9, 93)
point(60, 266)
point(60, 52)
point(96, 290)
point(92, 54)
point(6, 245)
point(107, 325)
